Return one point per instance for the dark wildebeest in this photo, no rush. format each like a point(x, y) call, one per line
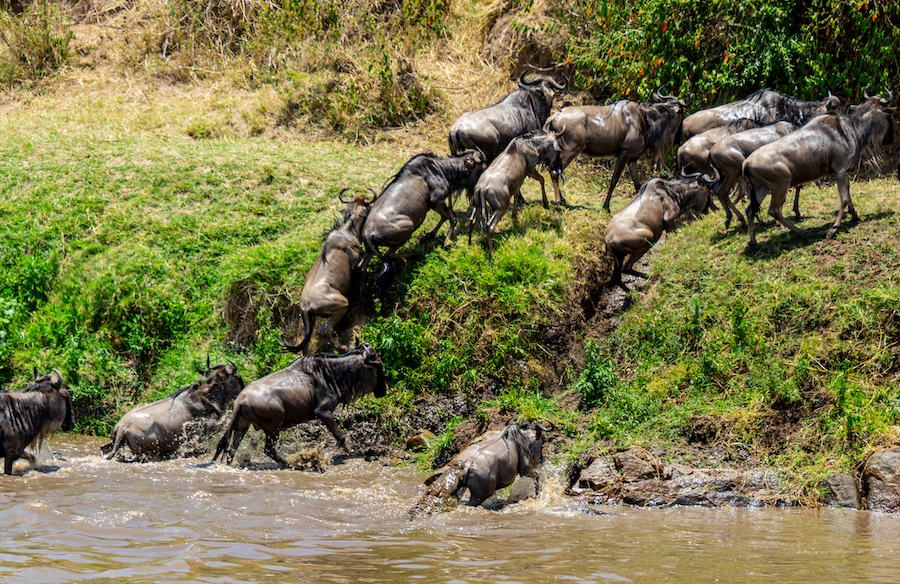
point(728, 155)
point(157, 430)
point(310, 387)
point(327, 289)
point(829, 144)
point(490, 129)
point(27, 417)
point(658, 206)
point(483, 467)
point(763, 107)
point(627, 130)
point(693, 155)
point(501, 182)
point(425, 182)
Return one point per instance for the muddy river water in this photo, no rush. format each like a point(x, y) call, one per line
point(84, 519)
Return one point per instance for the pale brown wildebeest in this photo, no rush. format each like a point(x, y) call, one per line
point(765, 106)
point(485, 466)
point(829, 144)
point(425, 182)
point(693, 155)
point(158, 429)
point(310, 387)
point(501, 182)
point(658, 206)
point(491, 129)
point(627, 130)
point(728, 155)
point(27, 417)
point(329, 282)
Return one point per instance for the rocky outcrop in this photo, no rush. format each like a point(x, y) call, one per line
point(637, 477)
point(839, 490)
point(881, 481)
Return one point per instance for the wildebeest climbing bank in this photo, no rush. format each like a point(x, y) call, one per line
point(627, 314)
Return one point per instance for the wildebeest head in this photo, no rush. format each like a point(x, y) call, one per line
point(874, 123)
point(373, 365)
point(356, 209)
point(547, 87)
point(58, 397)
point(225, 380)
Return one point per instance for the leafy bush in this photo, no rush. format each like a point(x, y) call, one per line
point(37, 42)
point(715, 51)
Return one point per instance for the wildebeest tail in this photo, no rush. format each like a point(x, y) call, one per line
point(440, 487)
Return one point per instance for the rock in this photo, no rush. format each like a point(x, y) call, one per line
point(601, 475)
point(637, 464)
point(881, 481)
point(693, 499)
point(420, 441)
point(840, 490)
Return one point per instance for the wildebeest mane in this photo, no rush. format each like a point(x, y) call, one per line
point(333, 371)
point(413, 165)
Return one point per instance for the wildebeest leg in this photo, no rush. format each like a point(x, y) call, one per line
point(269, 449)
point(616, 278)
point(8, 461)
point(241, 425)
point(632, 166)
point(533, 173)
point(327, 417)
point(776, 203)
point(797, 215)
point(446, 214)
point(617, 172)
point(843, 183)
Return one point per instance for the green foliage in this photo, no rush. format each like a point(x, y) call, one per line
point(36, 41)
point(715, 51)
point(599, 378)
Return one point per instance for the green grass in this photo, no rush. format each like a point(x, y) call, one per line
point(792, 353)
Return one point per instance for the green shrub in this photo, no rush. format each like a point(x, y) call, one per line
point(715, 51)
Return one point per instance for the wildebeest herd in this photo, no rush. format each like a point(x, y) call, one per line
point(770, 139)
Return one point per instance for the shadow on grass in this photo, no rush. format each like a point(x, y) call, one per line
point(784, 241)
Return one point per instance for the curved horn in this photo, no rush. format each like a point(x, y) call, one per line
point(889, 98)
point(58, 374)
point(710, 181)
point(524, 81)
point(290, 348)
point(557, 85)
point(34, 373)
point(341, 195)
point(866, 93)
point(374, 195)
point(232, 363)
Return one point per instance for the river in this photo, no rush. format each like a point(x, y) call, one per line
point(84, 519)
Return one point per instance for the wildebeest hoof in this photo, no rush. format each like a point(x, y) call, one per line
point(562, 203)
point(750, 248)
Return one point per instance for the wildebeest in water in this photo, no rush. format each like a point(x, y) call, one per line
point(485, 466)
point(310, 387)
point(157, 430)
point(27, 417)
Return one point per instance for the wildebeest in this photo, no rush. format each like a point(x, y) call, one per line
point(485, 466)
point(625, 129)
point(501, 182)
point(829, 144)
point(329, 281)
point(158, 429)
point(310, 387)
point(490, 129)
point(765, 106)
point(728, 155)
point(424, 182)
point(658, 206)
point(693, 155)
point(27, 417)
